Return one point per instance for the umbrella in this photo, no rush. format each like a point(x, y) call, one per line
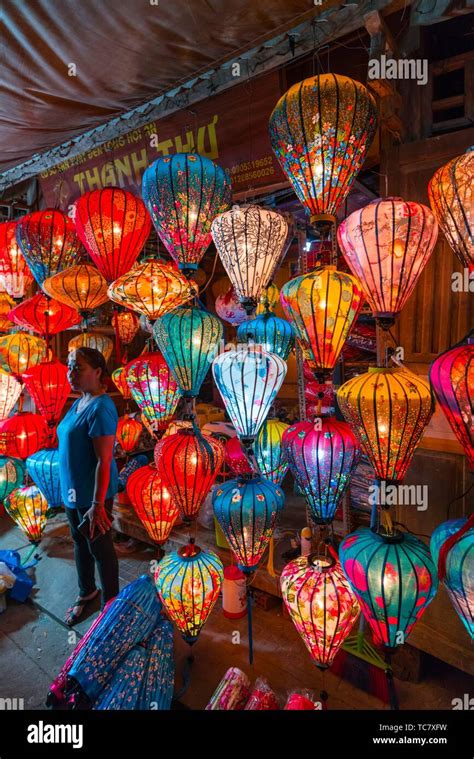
point(122, 691)
point(158, 678)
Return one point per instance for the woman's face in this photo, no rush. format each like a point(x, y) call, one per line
point(81, 375)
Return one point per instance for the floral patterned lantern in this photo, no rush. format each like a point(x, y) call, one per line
point(188, 582)
point(268, 299)
point(15, 274)
point(113, 225)
point(387, 244)
point(229, 308)
point(153, 388)
point(459, 566)
point(120, 381)
point(19, 351)
point(152, 502)
point(95, 340)
point(12, 473)
point(44, 315)
point(81, 287)
point(48, 385)
point(10, 391)
point(321, 604)
point(152, 288)
point(235, 457)
point(43, 468)
point(269, 452)
point(22, 434)
point(127, 324)
point(28, 508)
point(275, 335)
point(128, 432)
point(48, 242)
point(183, 194)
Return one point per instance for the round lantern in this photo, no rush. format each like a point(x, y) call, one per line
point(48, 242)
point(43, 468)
point(321, 604)
point(113, 225)
point(152, 288)
point(248, 381)
point(6, 305)
point(183, 194)
point(15, 274)
point(322, 455)
point(450, 194)
point(275, 335)
point(229, 308)
point(321, 130)
point(269, 452)
point(246, 509)
point(81, 287)
point(452, 379)
point(188, 463)
point(322, 307)
point(394, 579)
point(188, 582)
point(268, 299)
point(188, 338)
point(20, 351)
point(127, 325)
point(153, 388)
point(22, 435)
point(44, 315)
point(152, 502)
point(10, 391)
point(128, 432)
point(387, 244)
point(96, 340)
point(12, 473)
point(251, 242)
point(459, 577)
point(235, 457)
point(28, 508)
point(48, 385)
point(388, 409)
point(120, 381)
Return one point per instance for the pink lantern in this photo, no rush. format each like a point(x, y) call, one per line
point(229, 308)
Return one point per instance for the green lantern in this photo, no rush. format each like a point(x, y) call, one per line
point(12, 474)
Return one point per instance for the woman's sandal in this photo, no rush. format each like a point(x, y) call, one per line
point(80, 603)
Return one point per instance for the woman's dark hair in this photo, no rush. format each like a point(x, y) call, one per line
point(96, 360)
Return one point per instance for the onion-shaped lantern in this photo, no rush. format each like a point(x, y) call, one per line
point(15, 274)
point(188, 582)
point(248, 381)
point(235, 457)
point(268, 299)
point(43, 468)
point(128, 432)
point(188, 338)
point(28, 508)
point(101, 343)
point(22, 434)
point(321, 130)
point(113, 225)
point(322, 307)
point(81, 287)
point(48, 385)
point(153, 388)
point(152, 502)
point(127, 324)
point(269, 452)
point(152, 288)
point(394, 579)
point(246, 509)
point(6, 305)
point(10, 391)
point(120, 381)
point(275, 335)
point(322, 455)
point(387, 244)
point(229, 308)
point(251, 242)
point(48, 242)
point(188, 463)
point(450, 194)
point(44, 315)
point(452, 379)
point(20, 351)
point(12, 474)
point(459, 567)
point(321, 604)
point(183, 194)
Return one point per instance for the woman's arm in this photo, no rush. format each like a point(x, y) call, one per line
point(104, 449)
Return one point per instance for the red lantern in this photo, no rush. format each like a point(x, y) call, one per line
point(128, 432)
point(22, 435)
point(48, 242)
point(15, 274)
point(152, 502)
point(235, 457)
point(127, 325)
point(119, 380)
point(44, 315)
point(48, 385)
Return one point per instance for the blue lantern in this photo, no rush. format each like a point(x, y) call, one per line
point(275, 335)
point(459, 579)
point(43, 468)
point(12, 473)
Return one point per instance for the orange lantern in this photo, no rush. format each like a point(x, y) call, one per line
point(28, 508)
point(22, 435)
point(15, 274)
point(19, 351)
point(44, 315)
point(118, 377)
point(152, 502)
point(127, 325)
point(128, 432)
point(6, 305)
point(95, 340)
point(81, 287)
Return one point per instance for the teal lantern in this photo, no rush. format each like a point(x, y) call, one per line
point(274, 334)
point(459, 565)
point(188, 338)
point(43, 468)
point(12, 474)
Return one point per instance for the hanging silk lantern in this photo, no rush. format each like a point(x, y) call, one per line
point(43, 468)
point(81, 287)
point(322, 307)
point(128, 432)
point(269, 452)
point(246, 509)
point(387, 244)
point(28, 508)
point(322, 456)
point(22, 434)
point(10, 391)
point(459, 578)
point(188, 463)
point(275, 335)
point(452, 379)
point(188, 338)
point(153, 388)
point(127, 324)
point(248, 381)
point(96, 340)
point(394, 579)
point(321, 130)
point(6, 305)
point(268, 299)
point(113, 225)
point(12, 473)
point(388, 410)
point(183, 194)
point(321, 604)
point(251, 242)
point(188, 582)
point(152, 288)
point(450, 194)
point(235, 457)
point(15, 274)
point(152, 502)
point(229, 308)
point(44, 315)
point(120, 381)
point(48, 242)
point(20, 351)
point(48, 385)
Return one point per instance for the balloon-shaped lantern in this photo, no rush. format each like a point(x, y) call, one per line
point(183, 194)
point(113, 225)
point(127, 324)
point(43, 468)
point(22, 435)
point(20, 351)
point(235, 457)
point(15, 274)
point(128, 432)
point(275, 335)
point(153, 388)
point(12, 473)
point(269, 452)
point(321, 130)
point(229, 308)
point(387, 245)
point(96, 340)
point(188, 582)
point(152, 288)
point(152, 502)
point(10, 391)
point(48, 385)
point(28, 508)
point(48, 242)
point(120, 381)
point(44, 315)
point(81, 287)
point(459, 567)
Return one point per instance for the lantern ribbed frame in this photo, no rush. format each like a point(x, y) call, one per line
point(20, 351)
point(48, 242)
point(95, 340)
point(28, 508)
point(43, 468)
point(22, 434)
point(10, 391)
point(459, 568)
point(128, 432)
point(15, 274)
point(152, 502)
point(275, 335)
point(44, 315)
point(81, 287)
point(128, 324)
point(152, 288)
point(153, 388)
point(269, 452)
point(48, 385)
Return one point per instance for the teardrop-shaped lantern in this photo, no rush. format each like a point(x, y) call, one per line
point(275, 335)
point(321, 130)
point(248, 381)
point(15, 274)
point(152, 288)
point(10, 391)
point(81, 287)
point(22, 434)
point(120, 381)
point(183, 194)
point(246, 509)
point(268, 299)
point(235, 457)
point(96, 340)
point(387, 244)
point(43, 468)
point(153, 388)
point(251, 242)
point(451, 198)
point(44, 315)
point(452, 379)
point(6, 305)
point(459, 578)
point(321, 604)
point(48, 385)
point(19, 351)
point(113, 225)
point(188, 338)
point(394, 579)
point(269, 452)
point(188, 463)
point(322, 456)
point(188, 582)
point(12, 474)
point(152, 502)
point(229, 308)
point(127, 324)
point(128, 432)
point(48, 242)
point(28, 508)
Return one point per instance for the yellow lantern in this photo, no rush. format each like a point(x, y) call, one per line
point(82, 286)
point(268, 299)
point(95, 340)
point(28, 508)
point(20, 351)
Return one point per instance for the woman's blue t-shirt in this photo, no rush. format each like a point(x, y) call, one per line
point(77, 458)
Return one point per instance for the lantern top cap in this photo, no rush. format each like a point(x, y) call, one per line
point(384, 369)
point(189, 551)
point(321, 562)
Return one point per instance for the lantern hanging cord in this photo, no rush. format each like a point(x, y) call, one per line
point(212, 275)
point(418, 534)
point(458, 498)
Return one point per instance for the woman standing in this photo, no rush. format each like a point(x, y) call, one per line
point(88, 476)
